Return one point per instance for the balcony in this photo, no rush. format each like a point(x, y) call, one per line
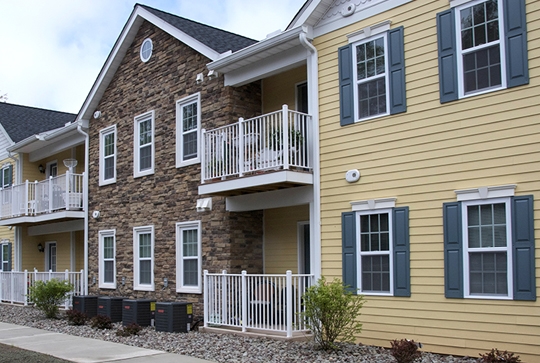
point(53, 198)
point(267, 152)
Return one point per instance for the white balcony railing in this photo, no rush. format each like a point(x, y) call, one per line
point(275, 141)
point(255, 302)
point(62, 192)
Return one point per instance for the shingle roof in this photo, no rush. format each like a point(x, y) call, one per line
point(219, 40)
point(21, 122)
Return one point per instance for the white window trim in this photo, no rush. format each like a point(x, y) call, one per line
point(486, 192)
point(136, 282)
point(48, 168)
point(179, 258)
point(4, 169)
point(102, 134)
point(459, 51)
point(369, 31)
point(3, 244)
point(507, 249)
point(136, 144)
point(369, 211)
point(372, 204)
point(101, 272)
point(386, 76)
point(147, 40)
point(179, 130)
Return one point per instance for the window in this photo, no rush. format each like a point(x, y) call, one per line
point(482, 47)
point(188, 125)
point(188, 257)
point(7, 176)
point(372, 74)
point(146, 50)
point(107, 259)
point(50, 256)
point(489, 247)
point(52, 169)
point(5, 256)
point(376, 250)
point(143, 254)
point(144, 145)
point(107, 156)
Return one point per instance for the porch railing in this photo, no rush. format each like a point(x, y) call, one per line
point(275, 141)
point(255, 302)
point(62, 192)
point(14, 285)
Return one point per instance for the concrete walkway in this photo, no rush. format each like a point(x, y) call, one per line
point(83, 350)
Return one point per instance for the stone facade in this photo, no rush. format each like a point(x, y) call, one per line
point(231, 241)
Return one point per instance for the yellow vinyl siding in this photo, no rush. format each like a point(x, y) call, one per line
point(280, 89)
point(421, 157)
point(281, 238)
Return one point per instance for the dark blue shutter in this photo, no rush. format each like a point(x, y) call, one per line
point(453, 250)
point(515, 29)
point(348, 236)
point(398, 100)
point(346, 93)
point(446, 39)
point(523, 248)
point(10, 176)
point(402, 274)
point(9, 267)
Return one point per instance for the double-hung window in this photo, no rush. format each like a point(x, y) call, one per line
point(5, 256)
point(143, 255)
point(482, 47)
point(372, 74)
point(188, 257)
point(188, 125)
point(7, 176)
point(375, 242)
point(144, 145)
point(107, 259)
point(107, 155)
point(489, 245)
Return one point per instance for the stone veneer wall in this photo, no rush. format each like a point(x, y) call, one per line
point(231, 241)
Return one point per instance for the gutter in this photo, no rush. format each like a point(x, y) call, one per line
point(85, 202)
point(313, 110)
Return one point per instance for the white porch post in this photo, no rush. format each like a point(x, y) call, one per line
point(12, 290)
point(50, 194)
point(285, 145)
point(66, 277)
point(68, 191)
point(204, 162)
point(26, 196)
point(25, 288)
point(244, 301)
point(205, 298)
point(289, 303)
point(1, 288)
point(224, 312)
point(241, 147)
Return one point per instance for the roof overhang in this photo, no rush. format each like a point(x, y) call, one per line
point(60, 215)
point(269, 56)
point(124, 41)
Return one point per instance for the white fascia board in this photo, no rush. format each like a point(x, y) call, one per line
point(59, 227)
point(267, 66)
point(273, 199)
point(305, 16)
point(50, 148)
point(42, 218)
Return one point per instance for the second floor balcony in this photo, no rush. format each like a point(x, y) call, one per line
point(262, 153)
point(54, 198)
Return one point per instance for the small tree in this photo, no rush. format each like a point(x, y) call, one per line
point(330, 311)
point(46, 296)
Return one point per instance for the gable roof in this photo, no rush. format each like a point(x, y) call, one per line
point(208, 41)
point(21, 122)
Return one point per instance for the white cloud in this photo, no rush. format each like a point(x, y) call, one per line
point(52, 51)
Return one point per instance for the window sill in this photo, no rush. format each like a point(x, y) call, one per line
point(188, 290)
point(107, 182)
point(107, 286)
point(144, 288)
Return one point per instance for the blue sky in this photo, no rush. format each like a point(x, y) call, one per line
point(52, 51)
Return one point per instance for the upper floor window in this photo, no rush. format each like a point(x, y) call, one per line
point(188, 126)
point(144, 145)
point(146, 50)
point(7, 176)
point(372, 74)
point(143, 258)
point(482, 47)
point(107, 155)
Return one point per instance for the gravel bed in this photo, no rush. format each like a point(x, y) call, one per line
point(217, 347)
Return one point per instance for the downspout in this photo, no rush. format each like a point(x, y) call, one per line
point(313, 109)
point(85, 203)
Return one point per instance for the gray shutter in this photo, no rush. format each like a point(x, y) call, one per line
point(446, 38)
point(402, 274)
point(346, 94)
point(348, 235)
point(453, 250)
point(515, 28)
point(523, 248)
point(398, 100)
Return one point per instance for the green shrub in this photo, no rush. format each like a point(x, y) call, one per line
point(128, 330)
point(47, 296)
point(76, 317)
point(101, 322)
point(405, 351)
point(330, 311)
point(496, 356)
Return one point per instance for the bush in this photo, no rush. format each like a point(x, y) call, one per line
point(405, 351)
point(47, 296)
point(128, 330)
point(330, 311)
point(101, 322)
point(496, 356)
point(76, 317)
